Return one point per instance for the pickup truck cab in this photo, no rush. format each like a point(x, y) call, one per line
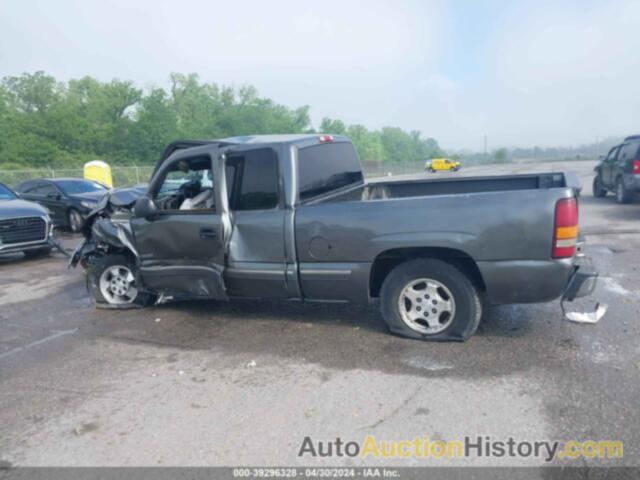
point(292, 217)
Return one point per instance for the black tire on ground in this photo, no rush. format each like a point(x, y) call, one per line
point(465, 296)
point(432, 170)
point(75, 220)
point(598, 190)
point(98, 266)
point(622, 194)
point(40, 252)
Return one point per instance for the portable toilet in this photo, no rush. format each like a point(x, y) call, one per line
point(98, 171)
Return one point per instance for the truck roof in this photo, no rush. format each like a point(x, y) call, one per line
point(296, 138)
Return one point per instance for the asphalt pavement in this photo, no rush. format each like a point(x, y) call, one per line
point(243, 383)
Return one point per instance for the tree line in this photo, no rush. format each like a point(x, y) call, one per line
point(49, 123)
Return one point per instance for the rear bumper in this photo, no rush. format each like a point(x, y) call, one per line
point(581, 284)
point(631, 182)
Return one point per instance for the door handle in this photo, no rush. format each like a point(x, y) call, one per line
point(207, 233)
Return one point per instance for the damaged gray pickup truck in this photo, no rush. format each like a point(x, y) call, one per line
point(292, 217)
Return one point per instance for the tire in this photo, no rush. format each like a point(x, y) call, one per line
point(622, 194)
point(40, 252)
point(430, 280)
point(431, 170)
point(598, 189)
point(112, 280)
point(74, 220)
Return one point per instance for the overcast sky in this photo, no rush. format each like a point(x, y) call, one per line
point(525, 73)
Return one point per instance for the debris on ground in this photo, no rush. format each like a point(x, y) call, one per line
point(587, 317)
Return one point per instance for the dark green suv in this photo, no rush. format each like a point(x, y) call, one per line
point(619, 171)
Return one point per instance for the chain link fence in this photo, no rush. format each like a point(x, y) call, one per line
point(122, 176)
point(128, 176)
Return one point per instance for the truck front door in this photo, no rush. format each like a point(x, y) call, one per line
point(182, 249)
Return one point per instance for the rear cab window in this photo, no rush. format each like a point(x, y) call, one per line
point(327, 167)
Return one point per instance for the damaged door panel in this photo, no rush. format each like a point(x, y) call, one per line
point(182, 251)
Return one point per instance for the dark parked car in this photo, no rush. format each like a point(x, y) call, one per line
point(68, 199)
point(619, 172)
point(24, 226)
point(292, 217)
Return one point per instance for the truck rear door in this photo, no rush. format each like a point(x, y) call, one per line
point(257, 256)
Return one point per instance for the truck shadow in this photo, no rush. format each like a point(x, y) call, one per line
point(339, 336)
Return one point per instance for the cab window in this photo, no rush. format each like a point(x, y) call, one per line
point(187, 186)
point(254, 186)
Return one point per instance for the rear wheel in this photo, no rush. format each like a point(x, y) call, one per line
point(622, 194)
point(429, 299)
point(598, 189)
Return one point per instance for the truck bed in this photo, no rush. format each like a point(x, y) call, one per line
point(384, 188)
point(503, 223)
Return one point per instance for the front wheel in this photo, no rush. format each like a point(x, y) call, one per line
point(429, 299)
point(598, 189)
point(112, 280)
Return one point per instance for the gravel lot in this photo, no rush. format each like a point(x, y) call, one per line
point(177, 384)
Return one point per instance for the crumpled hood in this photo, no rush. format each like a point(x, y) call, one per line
point(119, 198)
point(20, 208)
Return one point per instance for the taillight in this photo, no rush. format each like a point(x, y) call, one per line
point(565, 231)
point(325, 138)
point(636, 167)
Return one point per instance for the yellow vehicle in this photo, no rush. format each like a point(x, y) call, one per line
point(441, 165)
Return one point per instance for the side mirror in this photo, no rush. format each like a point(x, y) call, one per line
point(145, 208)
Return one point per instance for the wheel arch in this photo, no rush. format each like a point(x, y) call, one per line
point(389, 259)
